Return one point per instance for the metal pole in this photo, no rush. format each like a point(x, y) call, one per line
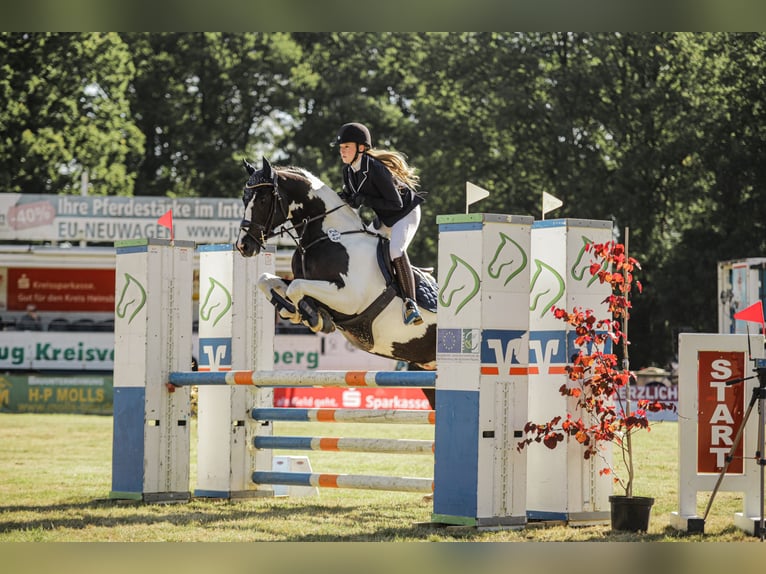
point(626, 367)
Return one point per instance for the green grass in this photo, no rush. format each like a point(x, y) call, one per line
point(55, 478)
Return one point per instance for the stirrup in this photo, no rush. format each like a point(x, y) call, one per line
point(410, 313)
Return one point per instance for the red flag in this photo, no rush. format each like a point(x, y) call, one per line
point(754, 314)
point(167, 221)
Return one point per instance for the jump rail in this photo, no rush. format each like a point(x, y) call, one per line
point(344, 415)
point(374, 445)
point(361, 481)
point(421, 379)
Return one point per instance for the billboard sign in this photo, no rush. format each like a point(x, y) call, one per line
point(106, 219)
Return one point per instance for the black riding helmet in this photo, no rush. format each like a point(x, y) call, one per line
point(353, 133)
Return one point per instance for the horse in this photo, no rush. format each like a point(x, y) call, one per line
point(343, 278)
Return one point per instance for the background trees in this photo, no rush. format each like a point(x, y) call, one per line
point(660, 133)
point(66, 110)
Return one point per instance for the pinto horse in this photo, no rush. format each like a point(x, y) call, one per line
point(342, 273)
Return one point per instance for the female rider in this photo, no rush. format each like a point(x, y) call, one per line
point(383, 181)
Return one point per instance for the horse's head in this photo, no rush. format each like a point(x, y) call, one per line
point(263, 209)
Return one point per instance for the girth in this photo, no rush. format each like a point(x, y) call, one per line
point(360, 326)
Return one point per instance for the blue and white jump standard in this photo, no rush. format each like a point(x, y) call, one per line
point(566, 487)
point(482, 353)
point(153, 320)
point(236, 331)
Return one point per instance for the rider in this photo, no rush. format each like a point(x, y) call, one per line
point(383, 181)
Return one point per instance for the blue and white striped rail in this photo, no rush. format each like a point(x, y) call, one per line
point(365, 482)
point(421, 379)
point(394, 416)
point(375, 445)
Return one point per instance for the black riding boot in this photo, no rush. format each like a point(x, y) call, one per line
point(406, 280)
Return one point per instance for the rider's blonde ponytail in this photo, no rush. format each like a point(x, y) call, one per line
point(398, 166)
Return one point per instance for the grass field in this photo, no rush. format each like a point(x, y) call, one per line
point(55, 478)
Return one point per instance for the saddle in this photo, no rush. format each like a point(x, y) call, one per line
point(359, 327)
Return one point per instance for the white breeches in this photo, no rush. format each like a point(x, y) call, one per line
point(402, 233)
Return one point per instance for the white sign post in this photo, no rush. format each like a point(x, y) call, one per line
point(710, 412)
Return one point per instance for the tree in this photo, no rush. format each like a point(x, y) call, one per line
point(207, 100)
point(66, 113)
point(658, 132)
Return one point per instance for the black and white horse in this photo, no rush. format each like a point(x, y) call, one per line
point(342, 274)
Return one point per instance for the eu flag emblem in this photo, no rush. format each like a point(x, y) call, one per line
point(449, 341)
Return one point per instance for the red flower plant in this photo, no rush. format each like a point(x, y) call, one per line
point(599, 385)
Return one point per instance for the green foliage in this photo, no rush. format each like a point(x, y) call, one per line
point(67, 112)
point(207, 100)
point(659, 132)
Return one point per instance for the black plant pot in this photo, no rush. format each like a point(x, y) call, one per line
point(631, 513)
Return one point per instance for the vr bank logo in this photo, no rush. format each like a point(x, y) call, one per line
point(215, 354)
point(505, 353)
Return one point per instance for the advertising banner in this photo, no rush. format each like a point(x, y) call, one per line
point(336, 398)
point(56, 351)
point(60, 393)
point(64, 290)
point(106, 219)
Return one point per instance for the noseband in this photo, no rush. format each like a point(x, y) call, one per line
point(262, 229)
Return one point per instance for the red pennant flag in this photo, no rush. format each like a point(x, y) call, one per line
point(754, 314)
point(167, 221)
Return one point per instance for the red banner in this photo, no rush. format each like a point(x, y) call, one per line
point(60, 289)
point(721, 410)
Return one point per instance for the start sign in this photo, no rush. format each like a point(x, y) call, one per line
point(712, 401)
point(721, 410)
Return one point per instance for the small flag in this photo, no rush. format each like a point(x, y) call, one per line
point(167, 221)
point(473, 193)
point(550, 203)
point(754, 314)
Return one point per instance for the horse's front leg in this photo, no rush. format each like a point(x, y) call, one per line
point(275, 289)
point(293, 306)
point(327, 294)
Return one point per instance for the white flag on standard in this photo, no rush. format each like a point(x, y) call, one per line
point(473, 193)
point(550, 203)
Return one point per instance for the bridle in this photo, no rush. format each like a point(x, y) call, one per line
point(296, 232)
point(261, 229)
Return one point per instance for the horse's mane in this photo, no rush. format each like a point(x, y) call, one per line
point(300, 173)
point(291, 169)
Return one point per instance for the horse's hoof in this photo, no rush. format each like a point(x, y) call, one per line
point(328, 325)
point(294, 318)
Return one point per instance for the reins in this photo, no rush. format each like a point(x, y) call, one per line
point(297, 230)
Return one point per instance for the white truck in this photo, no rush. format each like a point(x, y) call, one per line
point(740, 284)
